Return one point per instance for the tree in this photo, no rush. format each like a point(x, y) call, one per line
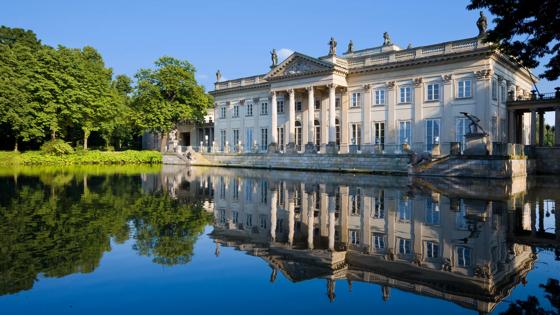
point(167, 95)
point(527, 30)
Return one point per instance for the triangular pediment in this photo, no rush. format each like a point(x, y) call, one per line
point(297, 65)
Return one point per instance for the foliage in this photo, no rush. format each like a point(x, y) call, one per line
point(64, 223)
point(526, 29)
point(86, 157)
point(167, 95)
point(57, 147)
point(532, 304)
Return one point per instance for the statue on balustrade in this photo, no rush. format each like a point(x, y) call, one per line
point(387, 39)
point(482, 24)
point(332, 47)
point(218, 76)
point(274, 57)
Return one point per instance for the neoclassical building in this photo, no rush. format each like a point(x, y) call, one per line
point(384, 96)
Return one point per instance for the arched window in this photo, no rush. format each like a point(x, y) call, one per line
point(317, 134)
point(298, 135)
point(337, 127)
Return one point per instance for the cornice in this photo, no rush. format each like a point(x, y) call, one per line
point(239, 88)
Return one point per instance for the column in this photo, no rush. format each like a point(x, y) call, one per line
point(390, 129)
point(533, 140)
point(332, 221)
point(290, 148)
point(274, 123)
point(331, 146)
point(541, 128)
point(511, 127)
point(447, 128)
point(366, 120)
point(418, 132)
point(273, 211)
point(310, 218)
point(557, 129)
point(291, 215)
point(310, 146)
point(344, 99)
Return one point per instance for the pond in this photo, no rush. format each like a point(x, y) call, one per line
point(168, 240)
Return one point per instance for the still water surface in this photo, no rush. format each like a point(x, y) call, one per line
point(114, 240)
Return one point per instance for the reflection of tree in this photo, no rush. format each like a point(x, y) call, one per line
point(532, 304)
point(58, 227)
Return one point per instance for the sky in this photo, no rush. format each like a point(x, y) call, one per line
point(237, 36)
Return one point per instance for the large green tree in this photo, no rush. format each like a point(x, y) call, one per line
point(526, 29)
point(167, 95)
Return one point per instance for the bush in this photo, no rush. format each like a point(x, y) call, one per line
point(57, 147)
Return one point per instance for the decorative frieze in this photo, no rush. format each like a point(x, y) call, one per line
point(447, 78)
point(485, 74)
point(417, 82)
point(390, 85)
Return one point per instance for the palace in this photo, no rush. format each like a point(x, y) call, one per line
point(371, 99)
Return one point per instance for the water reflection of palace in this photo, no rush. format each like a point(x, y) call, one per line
point(454, 241)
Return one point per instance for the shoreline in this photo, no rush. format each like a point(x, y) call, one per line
point(90, 157)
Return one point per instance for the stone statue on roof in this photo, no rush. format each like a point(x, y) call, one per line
point(218, 76)
point(482, 24)
point(274, 57)
point(387, 39)
point(350, 47)
point(332, 47)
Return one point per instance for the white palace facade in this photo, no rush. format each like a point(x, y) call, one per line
point(380, 97)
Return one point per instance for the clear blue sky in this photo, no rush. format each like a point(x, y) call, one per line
point(235, 36)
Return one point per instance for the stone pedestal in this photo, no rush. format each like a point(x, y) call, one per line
point(272, 148)
point(291, 148)
point(330, 148)
point(436, 150)
point(477, 144)
point(310, 148)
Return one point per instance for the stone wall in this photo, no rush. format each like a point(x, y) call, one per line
point(357, 163)
point(477, 166)
point(547, 160)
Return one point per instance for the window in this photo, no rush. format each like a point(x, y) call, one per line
point(249, 220)
point(317, 133)
point(234, 217)
point(379, 97)
point(248, 138)
point(280, 106)
point(494, 89)
point(222, 112)
point(378, 241)
point(298, 106)
point(263, 218)
point(354, 237)
point(494, 128)
point(432, 92)
point(264, 108)
point(317, 105)
point(337, 131)
point(463, 256)
point(222, 216)
point(248, 190)
point(461, 129)
point(222, 139)
point(355, 134)
point(432, 212)
point(404, 212)
point(235, 111)
point(432, 133)
point(281, 136)
point(405, 246)
point(502, 94)
point(235, 189)
point(405, 132)
point(264, 138)
point(249, 109)
point(432, 249)
point(461, 217)
point(337, 102)
point(379, 205)
point(299, 133)
point(379, 133)
point(355, 204)
point(356, 99)
point(222, 188)
point(235, 136)
point(405, 94)
point(464, 88)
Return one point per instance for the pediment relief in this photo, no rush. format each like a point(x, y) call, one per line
point(298, 64)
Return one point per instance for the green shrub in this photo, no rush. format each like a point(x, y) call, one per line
point(57, 147)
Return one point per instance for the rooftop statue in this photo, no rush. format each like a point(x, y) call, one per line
point(332, 47)
point(387, 39)
point(482, 24)
point(274, 57)
point(350, 47)
point(218, 76)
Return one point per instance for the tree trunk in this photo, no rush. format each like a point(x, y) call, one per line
point(86, 136)
point(53, 135)
point(163, 142)
point(16, 146)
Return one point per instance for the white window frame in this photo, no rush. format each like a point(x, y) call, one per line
point(407, 132)
point(356, 100)
point(380, 97)
point(280, 106)
point(264, 138)
point(222, 112)
point(463, 259)
point(433, 92)
point(378, 241)
point(432, 133)
point(405, 94)
point(432, 249)
point(264, 108)
point(405, 246)
point(464, 91)
point(249, 109)
point(235, 111)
